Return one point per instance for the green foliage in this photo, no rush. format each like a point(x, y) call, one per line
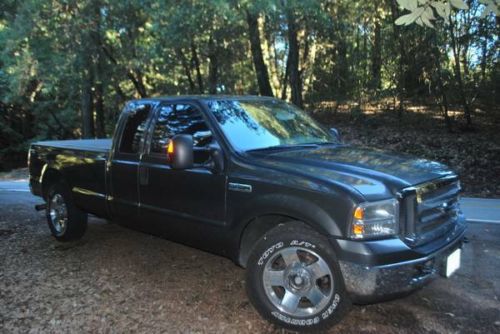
point(67, 67)
point(422, 11)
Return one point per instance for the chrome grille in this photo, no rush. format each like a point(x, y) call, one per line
point(435, 210)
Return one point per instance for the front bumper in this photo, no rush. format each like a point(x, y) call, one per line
point(385, 269)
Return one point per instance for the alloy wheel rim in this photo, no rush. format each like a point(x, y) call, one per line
point(298, 281)
point(58, 213)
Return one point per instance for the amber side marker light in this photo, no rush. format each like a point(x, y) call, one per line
point(359, 213)
point(170, 150)
point(170, 147)
point(358, 229)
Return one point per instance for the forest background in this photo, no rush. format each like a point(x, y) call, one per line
point(415, 76)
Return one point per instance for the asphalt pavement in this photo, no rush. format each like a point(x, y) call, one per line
point(481, 210)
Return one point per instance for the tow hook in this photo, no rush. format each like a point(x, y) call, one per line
point(425, 271)
point(427, 268)
point(40, 207)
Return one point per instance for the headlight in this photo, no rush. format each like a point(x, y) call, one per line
point(375, 219)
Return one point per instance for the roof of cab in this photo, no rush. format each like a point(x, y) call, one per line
point(206, 97)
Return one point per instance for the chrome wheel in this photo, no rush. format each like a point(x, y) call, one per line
point(298, 281)
point(58, 213)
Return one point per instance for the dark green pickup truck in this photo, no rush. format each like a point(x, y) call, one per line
point(317, 223)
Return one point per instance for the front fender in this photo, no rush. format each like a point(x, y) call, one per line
point(290, 206)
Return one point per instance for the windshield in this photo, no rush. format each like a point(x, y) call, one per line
point(260, 124)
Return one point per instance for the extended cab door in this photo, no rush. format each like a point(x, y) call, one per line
point(124, 163)
point(175, 198)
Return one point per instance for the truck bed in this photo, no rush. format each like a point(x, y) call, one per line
point(81, 163)
point(94, 145)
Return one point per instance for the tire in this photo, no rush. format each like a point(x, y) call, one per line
point(293, 279)
point(66, 221)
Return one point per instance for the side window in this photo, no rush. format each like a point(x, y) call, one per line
point(176, 119)
point(135, 128)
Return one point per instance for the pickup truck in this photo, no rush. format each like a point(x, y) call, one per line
point(317, 223)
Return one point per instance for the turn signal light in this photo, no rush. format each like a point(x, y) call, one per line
point(359, 213)
point(358, 229)
point(375, 219)
point(170, 147)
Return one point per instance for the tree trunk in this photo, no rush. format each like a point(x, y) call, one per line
point(402, 56)
point(196, 62)
point(213, 66)
point(258, 59)
point(458, 75)
point(440, 85)
point(99, 109)
point(116, 85)
point(138, 81)
point(308, 61)
point(340, 70)
point(86, 101)
point(86, 50)
point(187, 70)
point(293, 57)
point(269, 52)
point(484, 49)
point(284, 82)
point(99, 76)
point(376, 57)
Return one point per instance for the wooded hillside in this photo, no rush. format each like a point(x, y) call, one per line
point(67, 67)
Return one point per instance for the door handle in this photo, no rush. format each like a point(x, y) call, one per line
point(143, 175)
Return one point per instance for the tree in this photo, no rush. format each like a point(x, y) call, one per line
point(67, 67)
point(254, 13)
point(422, 13)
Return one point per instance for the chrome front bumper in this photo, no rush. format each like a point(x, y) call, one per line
point(374, 283)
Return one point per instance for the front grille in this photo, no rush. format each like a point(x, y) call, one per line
point(432, 210)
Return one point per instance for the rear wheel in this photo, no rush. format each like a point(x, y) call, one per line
point(66, 221)
point(294, 280)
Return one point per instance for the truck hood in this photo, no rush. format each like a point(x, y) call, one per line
point(373, 173)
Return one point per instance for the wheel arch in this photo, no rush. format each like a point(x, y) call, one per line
point(286, 210)
point(49, 176)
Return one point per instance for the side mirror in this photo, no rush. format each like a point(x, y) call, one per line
point(180, 152)
point(336, 134)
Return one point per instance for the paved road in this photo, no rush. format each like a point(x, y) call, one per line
point(481, 210)
point(17, 185)
point(477, 210)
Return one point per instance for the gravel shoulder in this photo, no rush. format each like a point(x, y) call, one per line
point(117, 280)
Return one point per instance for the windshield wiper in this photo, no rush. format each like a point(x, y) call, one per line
point(283, 147)
point(323, 143)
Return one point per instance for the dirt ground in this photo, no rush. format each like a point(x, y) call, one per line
point(117, 280)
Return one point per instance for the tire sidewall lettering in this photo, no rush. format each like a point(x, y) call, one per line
point(330, 309)
point(269, 251)
point(309, 321)
point(303, 322)
point(305, 244)
point(295, 321)
point(279, 245)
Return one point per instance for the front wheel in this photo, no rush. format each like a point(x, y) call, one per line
point(294, 280)
point(66, 221)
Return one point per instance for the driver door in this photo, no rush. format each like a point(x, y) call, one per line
point(181, 201)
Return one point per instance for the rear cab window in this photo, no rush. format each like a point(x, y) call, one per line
point(134, 131)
